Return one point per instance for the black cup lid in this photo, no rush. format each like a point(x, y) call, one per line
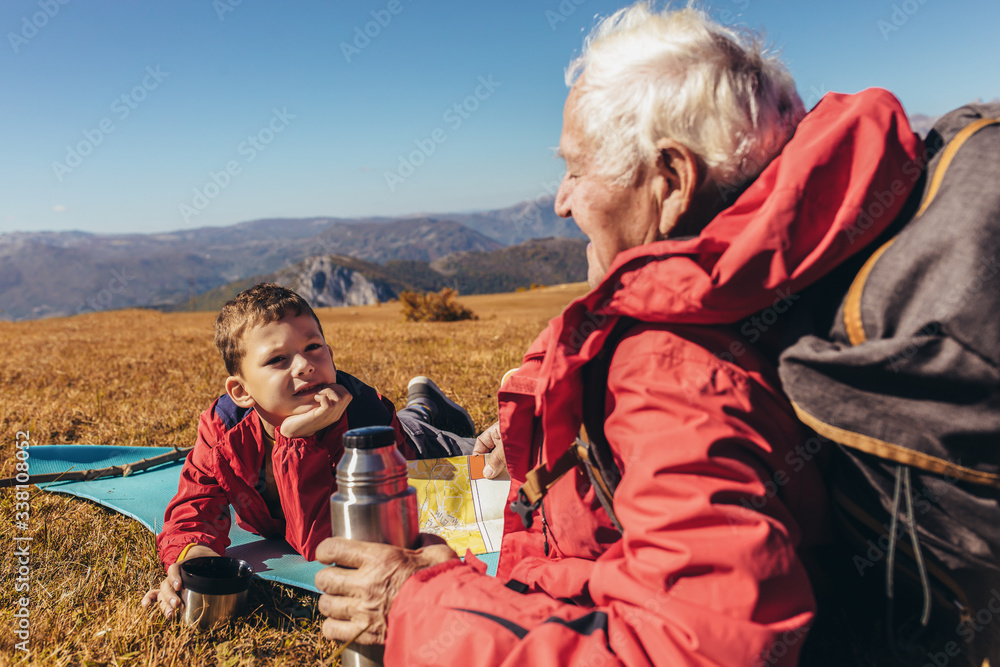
point(370, 437)
point(216, 575)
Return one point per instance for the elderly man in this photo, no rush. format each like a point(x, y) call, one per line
point(701, 235)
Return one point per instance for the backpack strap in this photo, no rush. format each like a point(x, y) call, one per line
point(591, 450)
point(537, 483)
point(600, 460)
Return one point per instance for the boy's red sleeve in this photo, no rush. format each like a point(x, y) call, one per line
point(304, 474)
point(199, 513)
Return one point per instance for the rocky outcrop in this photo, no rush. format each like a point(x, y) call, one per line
point(325, 284)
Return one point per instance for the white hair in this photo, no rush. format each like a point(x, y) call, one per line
point(677, 74)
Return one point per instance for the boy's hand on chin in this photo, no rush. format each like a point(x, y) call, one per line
point(331, 403)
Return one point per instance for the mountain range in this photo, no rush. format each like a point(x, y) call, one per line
point(338, 280)
point(47, 274)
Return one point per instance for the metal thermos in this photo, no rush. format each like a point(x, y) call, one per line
point(374, 502)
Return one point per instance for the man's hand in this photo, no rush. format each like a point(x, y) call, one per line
point(358, 592)
point(489, 443)
point(331, 403)
point(169, 593)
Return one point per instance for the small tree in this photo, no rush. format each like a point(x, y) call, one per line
point(434, 307)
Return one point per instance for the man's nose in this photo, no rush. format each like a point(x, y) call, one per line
point(562, 199)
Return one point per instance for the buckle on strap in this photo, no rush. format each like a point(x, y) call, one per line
point(525, 508)
point(538, 482)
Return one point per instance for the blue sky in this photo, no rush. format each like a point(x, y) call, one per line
point(140, 116)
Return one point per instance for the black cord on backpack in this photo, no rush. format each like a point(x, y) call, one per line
point(890, 562)
point(893, 523)
point(913, 650)
point(911, 524)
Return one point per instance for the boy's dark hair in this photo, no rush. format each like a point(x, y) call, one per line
point(261, 304)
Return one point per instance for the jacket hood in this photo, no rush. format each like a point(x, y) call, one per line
point(837, 184)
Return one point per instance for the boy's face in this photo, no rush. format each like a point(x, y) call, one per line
point(286, 364)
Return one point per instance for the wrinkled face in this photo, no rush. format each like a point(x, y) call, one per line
point(613, 217)
point(286, 364)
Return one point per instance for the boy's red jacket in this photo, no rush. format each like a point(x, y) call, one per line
point(718, 491)
point(225, 465)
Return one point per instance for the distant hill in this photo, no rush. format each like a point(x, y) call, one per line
point(528, 220)
point(922, 124)
point(542, 261)
point(338, 280)
point(421, 239)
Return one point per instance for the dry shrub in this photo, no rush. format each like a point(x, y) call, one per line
point(434, 307)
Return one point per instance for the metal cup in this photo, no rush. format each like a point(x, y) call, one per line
point(215, 589)
point(374, 502)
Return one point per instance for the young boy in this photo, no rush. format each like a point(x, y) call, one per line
point(269, 446)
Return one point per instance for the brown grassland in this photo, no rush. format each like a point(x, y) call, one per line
point(139, 377)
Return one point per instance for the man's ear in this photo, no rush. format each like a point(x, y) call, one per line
point(238, 392)
point(679, 174)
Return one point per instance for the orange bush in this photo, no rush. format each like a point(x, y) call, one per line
point(434, 307)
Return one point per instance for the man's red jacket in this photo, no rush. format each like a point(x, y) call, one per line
point(224, 469)
point(717, 493)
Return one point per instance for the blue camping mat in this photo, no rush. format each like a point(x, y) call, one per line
point(144, 497)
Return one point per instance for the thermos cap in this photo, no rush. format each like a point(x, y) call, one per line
point(370, 437)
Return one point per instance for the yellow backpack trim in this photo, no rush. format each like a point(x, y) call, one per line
point(897, 453)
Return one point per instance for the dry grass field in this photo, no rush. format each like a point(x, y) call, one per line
point(142, 378)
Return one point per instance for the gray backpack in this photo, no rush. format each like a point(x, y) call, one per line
point(905, 379)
